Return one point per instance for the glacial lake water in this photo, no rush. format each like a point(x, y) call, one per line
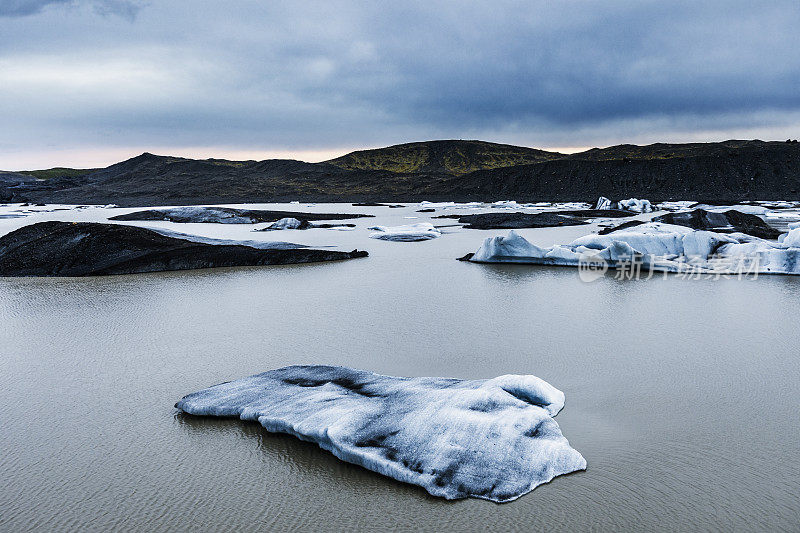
point(681, 394)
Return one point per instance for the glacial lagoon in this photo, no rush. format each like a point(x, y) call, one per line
point(681, 393)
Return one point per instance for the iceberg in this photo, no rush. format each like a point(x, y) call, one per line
point(506, 204)
point(676, 205)
point(634, 205)
point(293, 223)
point(603, 203)
point(656, 247)
point(422, 231)
point(288, 223)
point(493, 439)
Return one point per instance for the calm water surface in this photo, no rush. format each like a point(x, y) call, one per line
point(681, 394)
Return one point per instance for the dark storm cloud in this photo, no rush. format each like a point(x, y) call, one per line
point(332, 74)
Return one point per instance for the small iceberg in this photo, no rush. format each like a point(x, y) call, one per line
point(422, 231)
point(603, 203)
point(493, 439)
point(634, 205)
point(293, 223)
point(288, 223)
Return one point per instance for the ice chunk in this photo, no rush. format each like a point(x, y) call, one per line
point(410, 232)
point(603, 203)
point(742, 208)
point(636, 205)
point(631, 204)
point(506, 204)
point(675, 206)
point(493, 439)
point(512, 249)
point(288, 223)
point(792, 239)
point(647, 239)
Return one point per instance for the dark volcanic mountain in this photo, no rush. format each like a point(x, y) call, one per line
point(441, 170)
point(442, 157)
point(712, 172)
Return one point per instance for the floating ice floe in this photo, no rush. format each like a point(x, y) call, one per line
point(293, 223)
point(675, 206)
point(603, 203)
point(656, 247)
point(742, 208)
point(434, 205)
point(634, 205)
point(422, 231)
point(506, 204)
point(289, 223)
point(571, 205)
point(779, 204)
point(493, 439)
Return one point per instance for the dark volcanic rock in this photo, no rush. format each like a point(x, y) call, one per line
point(624, 225)
point(92, 249)
point(727, 222)
point(228, 215)
point(517, 220)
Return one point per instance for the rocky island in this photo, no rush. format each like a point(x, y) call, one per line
point(95, 249)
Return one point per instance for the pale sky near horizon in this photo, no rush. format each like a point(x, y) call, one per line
point(86, 83)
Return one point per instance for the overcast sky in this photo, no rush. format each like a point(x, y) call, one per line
point(90, 82)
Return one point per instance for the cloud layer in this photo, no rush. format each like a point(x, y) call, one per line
point(326, 75)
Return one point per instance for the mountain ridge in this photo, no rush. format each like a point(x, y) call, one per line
point(729, 170)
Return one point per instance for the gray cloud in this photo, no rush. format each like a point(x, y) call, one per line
point(21, 8)
point(284, 75)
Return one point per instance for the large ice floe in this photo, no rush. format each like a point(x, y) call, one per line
point(493, 439)
point(422, 231)
point(656, 247)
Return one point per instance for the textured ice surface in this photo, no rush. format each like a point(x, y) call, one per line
point(631, 204)
point(410, 232)
point(603, 203)
point(659, 247)
point(287, 223)
point(636, 205)
point(261, 245)
point(494, 439)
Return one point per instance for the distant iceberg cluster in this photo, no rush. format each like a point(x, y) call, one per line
point(493, 439)
point(659, 247)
